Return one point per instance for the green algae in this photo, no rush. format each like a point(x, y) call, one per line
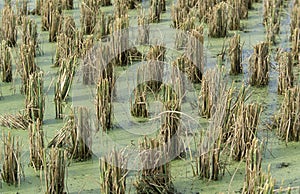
point(83, 177)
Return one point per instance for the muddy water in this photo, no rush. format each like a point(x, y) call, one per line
point(83, 177)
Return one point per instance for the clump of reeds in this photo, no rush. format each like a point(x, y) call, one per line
point(296, 45)
point(186, 25)
point(50, 11)
point(139, 105)
point(104, 104)
point(155, 175)
point(75, 135)
point(120, 41)
point(67, 4)
point(104, 25)
point(244, 8)
point(29, 32)
point(17, 121)
point(235, 54)
point(256, 181)
point(217, 24)
point(155, 59)
point(113, 172)
point(38, 7)
point(7, 2)
point(55, 25)
point(234, 15)
point(286, 77)
point(244, 129)
point(195, 54)
point(204, 9)
point(27, 65)
point(155, 10)
point(36, 142)
point(63, 85)
point(287, 120)
point(120, 8)
point(11, 170)
point(208, 164)
point(272, 18)
point(209, 92)
point(259, 65)
point(54, 171)
point(171, 121)
point(179, 13)
point(143, 28)
point(105, 2)
point(9, 25)
point(22, 9)
point(295, 17)
point(6, 62)
point(69, 27)
point(70, 43)
point(88, 18)
point(35, 100)
point(82, 135)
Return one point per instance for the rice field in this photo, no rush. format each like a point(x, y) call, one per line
point(149, 96)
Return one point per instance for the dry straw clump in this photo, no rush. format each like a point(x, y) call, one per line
point(29, 33)
point(104, 104)
point(286, 77)
point(295, 17)
point(38, 7)
point(257, 181)
point(296, 45)
point(11, 170)
point(235, 54)
point(105, 2)
point(209, 92)
point(155, 58)
point(36, 142)
point(6, 61)
point(35, 99)
point(22, 9)
point(139, 107)
point(287, 120)
point(17, 121)
point(208, 164)
point(272, 18)
point(156, 9)
point(88, 18)
point(82, 135)
point(155, 177)
point(63, 85)
point(55, 171)
point(67, 4)
point(9, 26)
point(179, 13)
point(243, 129)
point(113, 172)
point(75, 135)
point(259, 65)
point(55, 25)
point(27, 65)
point(143, 28)
point(195, 53)
point(218, 19)
point(234, 15)
point(50, 11)
point(104, 25)
point(170, 129)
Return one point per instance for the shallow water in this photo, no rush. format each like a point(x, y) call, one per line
point(83, 177)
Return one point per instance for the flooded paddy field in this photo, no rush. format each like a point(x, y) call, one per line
point(157, 96)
